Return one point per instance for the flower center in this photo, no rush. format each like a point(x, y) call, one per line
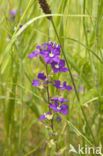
point(57, 66)
point(48, 116)
point(51, 54)
point(58, 108)
point(54, 44)
point(61, 85)
point(50, 42)
point(59, 98)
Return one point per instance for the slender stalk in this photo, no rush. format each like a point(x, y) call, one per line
point(71, 76)
point(47, 88)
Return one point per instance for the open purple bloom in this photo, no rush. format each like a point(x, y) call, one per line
point(59, 66)
point(46, 116)
point(36, 82)
point(59, 108)
point(59, 99)
point(41, 76)
point(49, 51)
point(13, 12)
point(64, 86)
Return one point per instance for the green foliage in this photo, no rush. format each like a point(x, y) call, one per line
point(79, 25)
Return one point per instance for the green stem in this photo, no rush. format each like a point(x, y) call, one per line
point(47, 88)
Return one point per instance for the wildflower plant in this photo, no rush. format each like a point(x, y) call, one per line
point(51, 53)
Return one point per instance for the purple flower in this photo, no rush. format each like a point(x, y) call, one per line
point(50, 51)
point(59, 108)
point(36, 82)
point(80, 89)
point(41, 76)
point(58, 99)
point(59, 66)
point(64, 86)
point(13, 12)
point(46, 116)
point(67, 87)
point(50, 55)
point(58, 119)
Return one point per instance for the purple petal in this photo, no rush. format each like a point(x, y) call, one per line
point(57, 83)
point(64, 70)
point(53, 107)
point(55, 70)
point(62, 63)
point(64, 109)
point(42, 117)
point(56, 59)
point(36, 82)
point(63, 100)
point(38, 47)
point(48, 113)
point(59, 99)
point(13, 12)
point(33, 54)
point(47, 60)
point(59, 66)
point(20, 26)
point(54, 99)
point(80, 88)
point(64, 83)
point(69, 88)
point(56, 104)
point(41, 76)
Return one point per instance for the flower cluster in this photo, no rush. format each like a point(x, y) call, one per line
point(51, 54)
point(42, 77)
point(58, 105)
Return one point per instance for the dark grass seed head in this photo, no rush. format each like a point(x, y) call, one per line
point(45, 7)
